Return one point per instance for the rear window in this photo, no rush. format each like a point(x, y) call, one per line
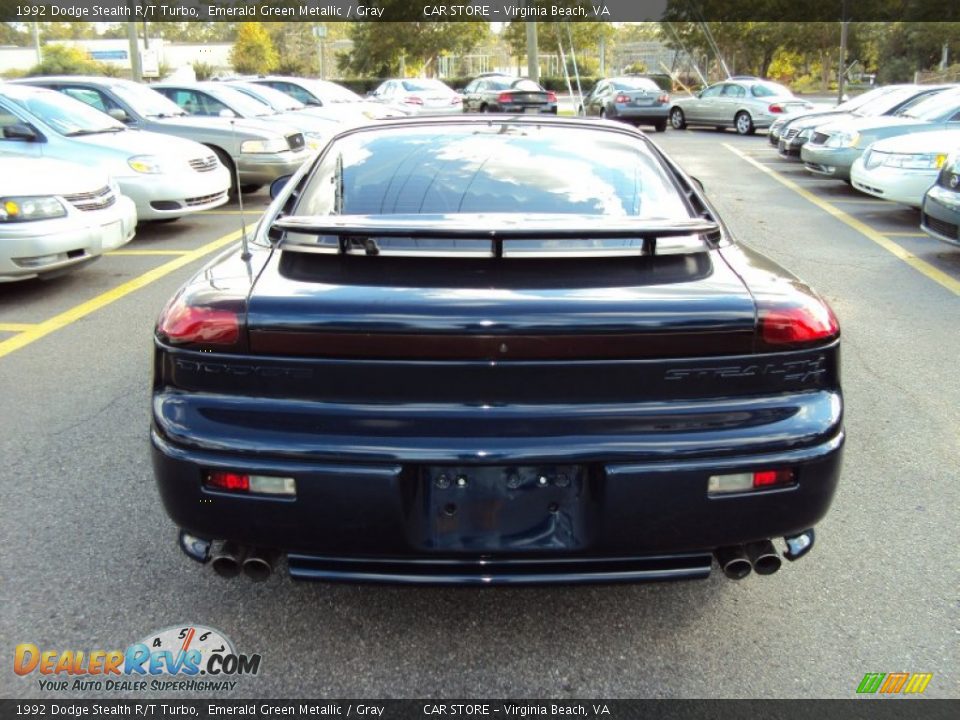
point(501, 168)
point(769, 89)
point(636, 84)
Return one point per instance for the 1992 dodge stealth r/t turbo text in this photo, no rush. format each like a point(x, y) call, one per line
point(511, 350)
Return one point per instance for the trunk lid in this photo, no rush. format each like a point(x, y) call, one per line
point(499, 308)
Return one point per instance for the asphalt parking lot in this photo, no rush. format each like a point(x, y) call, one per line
point(90, 561)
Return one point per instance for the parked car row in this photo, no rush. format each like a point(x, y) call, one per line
point(89, 157)
point(899, 143)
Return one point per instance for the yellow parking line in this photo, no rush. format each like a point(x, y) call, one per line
point(57, 322)
point(938, 276)
point(906, 234)
point(16, 327)
point(865, 201)
point(148, 252)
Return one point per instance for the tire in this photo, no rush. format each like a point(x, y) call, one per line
point(660, 125)
point(677, 119)
point(744, 123)
point(227, 162)
point(603, 113)
point(484, 108)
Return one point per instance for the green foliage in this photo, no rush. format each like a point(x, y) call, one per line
point(253, 52)
point(380, 48)
point(586, 36)
point(635, 68)
point(66, 60)
point(202, 70)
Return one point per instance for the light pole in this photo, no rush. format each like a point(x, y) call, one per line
point(841, 80)
point(533, 66)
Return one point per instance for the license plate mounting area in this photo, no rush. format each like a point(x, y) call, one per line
point(505, 508)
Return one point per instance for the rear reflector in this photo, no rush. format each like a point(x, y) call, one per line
point(255, 484)
point(181, 323)
point(745, 482)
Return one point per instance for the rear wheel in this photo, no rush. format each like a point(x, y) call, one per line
point(484, 108)
point(603, 113)
point(660, 125)
point(744, 123)
point(677, 120)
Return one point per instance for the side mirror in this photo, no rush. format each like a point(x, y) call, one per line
point(277, 186)
point(696, 181)
point(20, 131)
point(118, 114)
point(227, 113)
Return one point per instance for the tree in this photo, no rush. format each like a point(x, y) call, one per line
point(65, 60)
point(380, 48)
point(253, 52)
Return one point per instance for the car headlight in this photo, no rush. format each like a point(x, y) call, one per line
point(24, 209)
point(146, 164)
point(273, 145)
point(843, 140)
point(926, 161)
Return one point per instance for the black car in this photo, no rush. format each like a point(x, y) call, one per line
point(477, 350)
point(500, 93)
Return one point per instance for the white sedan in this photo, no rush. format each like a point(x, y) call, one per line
point(903, 168)
point(55, 216)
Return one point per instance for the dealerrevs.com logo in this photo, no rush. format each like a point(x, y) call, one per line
point(178, 658)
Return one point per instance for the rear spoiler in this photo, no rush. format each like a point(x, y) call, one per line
point(486, 235)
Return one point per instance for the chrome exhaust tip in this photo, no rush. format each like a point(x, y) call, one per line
point(193, 547)
point(733, 561)
point(259, 564)
point(763, 557)
point(227, 561)
point(799, 545)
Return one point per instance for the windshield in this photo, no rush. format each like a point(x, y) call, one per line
point(426, 86)
point(499, 169)
point(279, 101)
point(63, 114)
point(864, 99)
point(934, 107)
point(145, 101)
point(331, 92)
point(885, 103)
point(243, 105)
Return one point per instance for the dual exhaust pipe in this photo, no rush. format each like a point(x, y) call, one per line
point(228, 559)
point(738, 561)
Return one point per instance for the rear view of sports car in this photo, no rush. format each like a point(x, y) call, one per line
point(483, 350)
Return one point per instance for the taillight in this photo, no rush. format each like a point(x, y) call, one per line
point(663, 99)
point(181, 324)
point(621, 98)
point(775, 108)
point(551, 96)
point(748, 481)
point(413, 100)
point(227, 481)
point(809, 322)
point(504, 98)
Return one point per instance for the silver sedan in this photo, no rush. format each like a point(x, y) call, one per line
point(745, 104)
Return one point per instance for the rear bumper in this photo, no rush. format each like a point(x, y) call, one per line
point(653, 113)
point(382, 521)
